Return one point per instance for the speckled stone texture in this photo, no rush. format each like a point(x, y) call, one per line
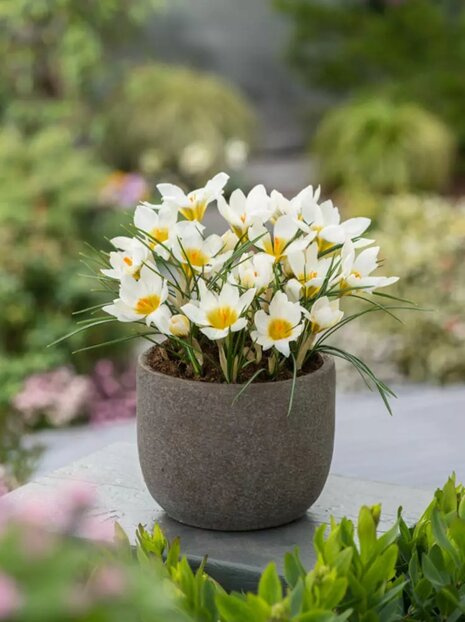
point(227, 467)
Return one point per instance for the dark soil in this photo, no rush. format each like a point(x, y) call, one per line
point(165, 362)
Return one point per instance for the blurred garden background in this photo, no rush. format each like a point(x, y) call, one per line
point(100, 101)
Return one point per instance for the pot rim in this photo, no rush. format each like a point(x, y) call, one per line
point(328, 364)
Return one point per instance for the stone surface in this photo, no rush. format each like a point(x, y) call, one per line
point(235, 558)
point(217, 463)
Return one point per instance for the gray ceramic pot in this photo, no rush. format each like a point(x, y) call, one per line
point(249, 466)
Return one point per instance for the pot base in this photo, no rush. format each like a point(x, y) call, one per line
point(234, 528)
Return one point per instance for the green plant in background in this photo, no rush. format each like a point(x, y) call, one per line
point(47, 182)
point(360, 575)
point(384, 146)
point(424, 238)
point(48, 204)
point(410, 49)
point(54, 51)
point(165, 120)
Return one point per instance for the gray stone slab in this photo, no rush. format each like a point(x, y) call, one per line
point(236, 559)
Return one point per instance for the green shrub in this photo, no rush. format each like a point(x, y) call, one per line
point(360, 575)
point(424, 238)
point(384, 146)
point(411, 49)
point(47, 182)
point(164, 120)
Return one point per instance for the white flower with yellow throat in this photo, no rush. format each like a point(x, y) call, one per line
point(309, 271)
point(159, 223)
point(127, 260)
point(284, 238)
point(356, 270)
point(281, 325)
point(325, 221)
point(193, 204)
point(196, 253)
point(219, 314)
point(242, 211)
point(324, 314)
point(253, 271)
point(142, 300)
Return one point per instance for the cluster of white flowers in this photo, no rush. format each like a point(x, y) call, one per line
point(273, 280)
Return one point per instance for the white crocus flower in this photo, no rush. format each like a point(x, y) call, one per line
point(142, 300)
point(280, 206)
point(281, 325)
point(159, 224)
point(309, 271)
point(128, 260)
point(198, 254)
point(218, 314)
point(325, 314)
point(255, 272)
point(242, 211)
point(283, 239)
point(356, 270)
point(325, 221)
point(193, 205)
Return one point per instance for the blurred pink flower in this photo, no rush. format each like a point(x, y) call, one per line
point(60, 395)
point(109, 581)
point(10, 599)
point(114, 393)
point(97, 529)
point(124, 189)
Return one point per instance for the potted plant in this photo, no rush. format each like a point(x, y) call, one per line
point(236, 393)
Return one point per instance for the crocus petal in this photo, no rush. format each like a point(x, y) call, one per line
point(195, 314)
point(283, 346)
point(214, 333)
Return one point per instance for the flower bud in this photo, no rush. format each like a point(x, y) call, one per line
point(179, 325)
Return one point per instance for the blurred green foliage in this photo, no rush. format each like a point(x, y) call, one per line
point(411, 50)
point(424, 238)
point(61, 60)
point(384, 147)
point(47, 182)
point(175, 123)
point(48, 577)
point(58, 49)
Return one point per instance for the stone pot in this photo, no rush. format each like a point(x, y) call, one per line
point(215, 465)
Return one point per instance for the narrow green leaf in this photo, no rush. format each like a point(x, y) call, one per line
point(269, 586)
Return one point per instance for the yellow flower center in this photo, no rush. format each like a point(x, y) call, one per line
point(324, 245)
point(239, 231)
point(304, 277)
point(356, 274)
point(196, 257)
point(128, 261)
point(159, 235)
point(222, 317)
point(195, 211)
point(275, 247)
point(147, 305)
point(279, 328)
